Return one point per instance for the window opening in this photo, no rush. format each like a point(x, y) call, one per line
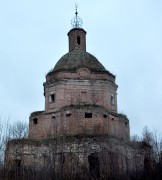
point(18, 162)
point(53, 116)
point(68, 115)
point(105, 116)
point(60, 159)
point(112, 100)
point(126, 124)
point(112, 119)
point(88, 115)
point(52, 98)
point(147, 163)
point(35, 121)
point(78, 40)
point(94, 166)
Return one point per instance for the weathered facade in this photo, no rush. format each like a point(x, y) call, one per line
point(95, 156)
point(80, 125)
point(80, 97)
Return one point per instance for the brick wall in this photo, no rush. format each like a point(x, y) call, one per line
point(74, 34)
point(73, 121)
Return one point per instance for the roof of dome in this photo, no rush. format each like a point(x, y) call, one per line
point(78, 59)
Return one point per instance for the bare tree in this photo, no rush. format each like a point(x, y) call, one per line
point(19, 130)
point(4, 137)
point(147, 136)
point(135, 138)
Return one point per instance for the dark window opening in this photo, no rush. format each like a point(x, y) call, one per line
point(18, 162)
point(52, 98)
point(53, 116)
point(94, 166)
point(112, 119)
point(147, 164)
point(126, 124)
point(68, 115)
point(105, 116)
point(60, 160)
point(88, 115)
point(35, 121)
point(112, 100)
point(78, 40)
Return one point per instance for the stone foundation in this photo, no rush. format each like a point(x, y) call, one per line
point(76, 154)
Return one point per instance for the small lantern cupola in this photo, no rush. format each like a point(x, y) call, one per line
point(77, 35)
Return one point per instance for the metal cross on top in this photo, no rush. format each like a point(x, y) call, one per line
point(76, 9)
point(76, 22)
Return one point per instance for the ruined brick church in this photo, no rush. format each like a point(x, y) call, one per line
point(80, 96)
point(80, 124)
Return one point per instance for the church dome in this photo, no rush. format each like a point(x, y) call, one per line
point(76, 59)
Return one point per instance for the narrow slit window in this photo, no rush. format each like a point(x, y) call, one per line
point(52, 98)
point(35, 121)
point(78, 40)
point(126, 124)
point(88, 115)
point(112, 100)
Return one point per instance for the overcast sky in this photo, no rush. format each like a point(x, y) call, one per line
point(125, 36)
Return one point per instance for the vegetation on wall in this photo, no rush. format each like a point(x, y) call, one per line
point(150, 142)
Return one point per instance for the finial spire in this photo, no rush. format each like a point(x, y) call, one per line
point(76, 22)
point(76, 9)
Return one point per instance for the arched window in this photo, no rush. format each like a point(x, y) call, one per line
point(35, 121)
point(78, 40)
point(94, 165)
point(59, 160)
